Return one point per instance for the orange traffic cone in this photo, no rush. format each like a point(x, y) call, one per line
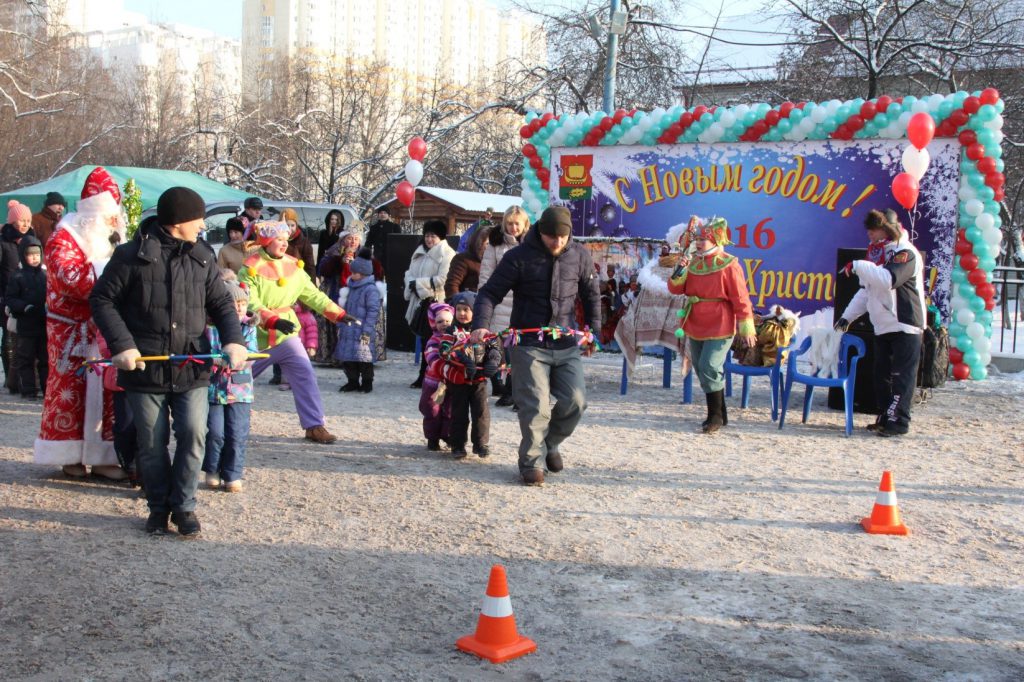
point(496, 638)
point(885, 516)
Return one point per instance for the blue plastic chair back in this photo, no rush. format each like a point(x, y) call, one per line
point(773, 371)
point(847, 370)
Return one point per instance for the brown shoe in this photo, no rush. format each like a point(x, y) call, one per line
point(318, 434)
point(533, 477)
point(74, 470)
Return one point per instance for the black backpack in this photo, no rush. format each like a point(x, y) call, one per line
point(934, 365)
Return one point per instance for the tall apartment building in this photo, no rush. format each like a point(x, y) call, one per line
point(460, 41)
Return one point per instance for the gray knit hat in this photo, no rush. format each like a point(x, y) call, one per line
point(238, 290)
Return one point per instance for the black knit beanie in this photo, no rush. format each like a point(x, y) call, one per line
point(179, 205)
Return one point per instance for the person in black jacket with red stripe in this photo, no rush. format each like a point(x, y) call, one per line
point(546, 274)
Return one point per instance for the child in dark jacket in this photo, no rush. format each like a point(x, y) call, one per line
point(26, 298)
point(466, 376)
point(357, 343)
point(435, 406)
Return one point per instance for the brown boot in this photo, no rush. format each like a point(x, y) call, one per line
point(318, 434)
point(533, 477)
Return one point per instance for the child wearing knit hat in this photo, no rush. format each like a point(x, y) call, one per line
point(435, 407)
point(357, 343)
point(230, 399)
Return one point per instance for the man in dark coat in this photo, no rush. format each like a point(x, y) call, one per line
point(154, 298)
point(377, 236)
point(546, 274)
point(45, 222)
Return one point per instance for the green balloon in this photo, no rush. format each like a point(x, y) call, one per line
point(958, 276)
point(984, 318)
point(988, 263)
point(956, 330)
point(973, 233)
point(964, 342)
point(966, 290)
point(971, 358)
point(979, 372)
point(977, 304)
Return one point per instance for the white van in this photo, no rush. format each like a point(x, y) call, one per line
point(311, 216)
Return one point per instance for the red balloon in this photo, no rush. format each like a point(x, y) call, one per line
point(619, 115)
point(963, 247)
point(405, 192)
point(956, 356)
point(994, 180)
point(968, 262)
point(759, 128)
point(842, 132)
point(990, 303)
point(905, 190)
point(543, 174)
point(606, 123)
point(525, 132)
point(920, 129)
point(883, 103)
point(961, 371)
point(977, 278)
point(975, 151)
point(686, 119)
point(986, 165)
point(959, 117)
point(674, 130)
point(772, 117)
point(417, 149)
point(986, 289)
point(546, 117)
point(786, 108)
point(968, 137)
point(989, 96)
point(699, 110)
point(971, 105)
point(535, 162)
point(868, 109)
point(1000, 194)
point(855, 123)
point(529, 150)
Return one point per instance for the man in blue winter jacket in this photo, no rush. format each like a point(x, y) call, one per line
point(546, 274)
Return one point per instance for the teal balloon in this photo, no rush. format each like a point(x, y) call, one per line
point(908, 102)
point(958, 276)
point(796, 116)
point(977, 304)
point(987, 112)
point(649, 139)
point(997, 221)
point(966, 290)
point(981, 250)
point(627, 123)
point(964, 342)
point(945, 109)
point(976, 180)
point(959, 96)
point(967, 166)
point(996, 152)
point(986, 137)
point(1000, 166)
point(979, 373)
point(984, 318)
point(988, 263)
point(956, 330)
point(986, 193)
point(738, 130)
point(991, 207)
point(784, 126)
point(972, 358)
point(881, 120)
point(677, 111)
point(762, 109)
point(999, 105)
point(750, 118)
point(893, 111)
point(666, 121)
point(616, 131)
point(708, 118)
point(973, 233)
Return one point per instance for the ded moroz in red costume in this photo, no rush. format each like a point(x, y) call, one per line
point(76, 427)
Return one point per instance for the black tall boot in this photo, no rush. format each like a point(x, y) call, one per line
point(716, 402)
point(725, 411)
point(366, 374)
point(352, 374)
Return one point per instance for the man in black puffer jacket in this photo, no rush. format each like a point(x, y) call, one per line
point(153, 298)
point(546, 274)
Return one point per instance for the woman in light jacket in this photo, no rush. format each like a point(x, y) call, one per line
point(425, 278)
point(514, 224)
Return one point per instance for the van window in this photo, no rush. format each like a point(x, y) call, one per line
point(216, 221)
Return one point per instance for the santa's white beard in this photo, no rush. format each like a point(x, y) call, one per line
point(93, 233)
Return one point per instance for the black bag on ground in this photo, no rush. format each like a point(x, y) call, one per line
point(934, 364)
point(420, 324)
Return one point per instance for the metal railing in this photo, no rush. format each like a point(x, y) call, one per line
point(1008, 321)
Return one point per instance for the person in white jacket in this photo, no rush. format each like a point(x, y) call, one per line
point(424, 280)
point(892, 294)
point(514, 224)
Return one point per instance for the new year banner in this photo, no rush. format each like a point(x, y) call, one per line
point(789, 205)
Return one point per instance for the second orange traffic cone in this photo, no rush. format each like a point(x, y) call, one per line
point(885, 516)
point(496, 637)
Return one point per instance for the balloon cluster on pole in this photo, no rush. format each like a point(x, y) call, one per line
point(975, 119)
point(406, 190)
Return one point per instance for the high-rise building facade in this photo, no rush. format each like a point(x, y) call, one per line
point(459, 41)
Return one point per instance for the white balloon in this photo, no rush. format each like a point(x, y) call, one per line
point(414, 172)
point(935, 101)
point(819, 114)
point(998, 135)
point(741, 110)
point(915, 161)
point(797, 135)
point(727, 119)
point(833, 106)
point(965, 316)
point(658, 112)
point(985, 221)
point(525, 184)
point(904, 119)
point(975, 331)
point(807, 124)
point(919, 106)
point(983, 345)
point(992, 235)
point(716, 130)
point(956, 304)
point(996, 123)
point(974, 207)
point(986, 357)
point(966, 193)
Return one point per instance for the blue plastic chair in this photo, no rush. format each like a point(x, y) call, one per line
point(773, 372)
point(846, 379)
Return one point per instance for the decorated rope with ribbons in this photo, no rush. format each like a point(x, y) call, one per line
point(97, 364)
point(584, 336)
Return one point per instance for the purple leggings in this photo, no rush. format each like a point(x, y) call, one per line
point(437, 419)
point(297, 371)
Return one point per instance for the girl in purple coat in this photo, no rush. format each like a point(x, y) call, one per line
point(357, 343)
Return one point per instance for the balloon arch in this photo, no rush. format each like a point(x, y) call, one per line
point(974, 118)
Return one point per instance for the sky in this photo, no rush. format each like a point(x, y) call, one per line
point(220, 16)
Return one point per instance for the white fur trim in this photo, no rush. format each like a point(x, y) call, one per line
point(649, 280)
point(824, 351)
point(675, 232)
point(98, 204)
point(59, 452)
point(382, 289)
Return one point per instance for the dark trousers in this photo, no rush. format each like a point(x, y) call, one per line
point(7, 355)
point(896, 358)
point(469, 407)
point(30, 362)
point(126, 444)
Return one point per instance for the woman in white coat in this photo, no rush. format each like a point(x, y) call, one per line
point(424, 280)
point(514, 224)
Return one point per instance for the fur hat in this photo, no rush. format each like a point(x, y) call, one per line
point(238, 290)
point(362, 264)
point(436, 309)
point(269, 230)
point(17, 211)
point(179, 205)
point(555, 221)
point(435, 227)
point(466, 298)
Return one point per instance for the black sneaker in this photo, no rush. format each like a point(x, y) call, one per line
point(274, 381)
point(459, 453)
point(187, 523)
point(504, 401)
point(891, 431)
point(349, 388)
point(434, 445)
point(156, 524)
point(481, 450)
point(416, 384)
point(554, 462)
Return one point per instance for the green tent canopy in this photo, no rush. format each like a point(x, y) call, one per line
point(151, 181)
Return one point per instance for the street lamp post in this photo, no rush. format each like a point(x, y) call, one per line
point(617, 20)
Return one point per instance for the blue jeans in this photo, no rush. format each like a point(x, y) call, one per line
point(226, 436)
point(170, 486)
